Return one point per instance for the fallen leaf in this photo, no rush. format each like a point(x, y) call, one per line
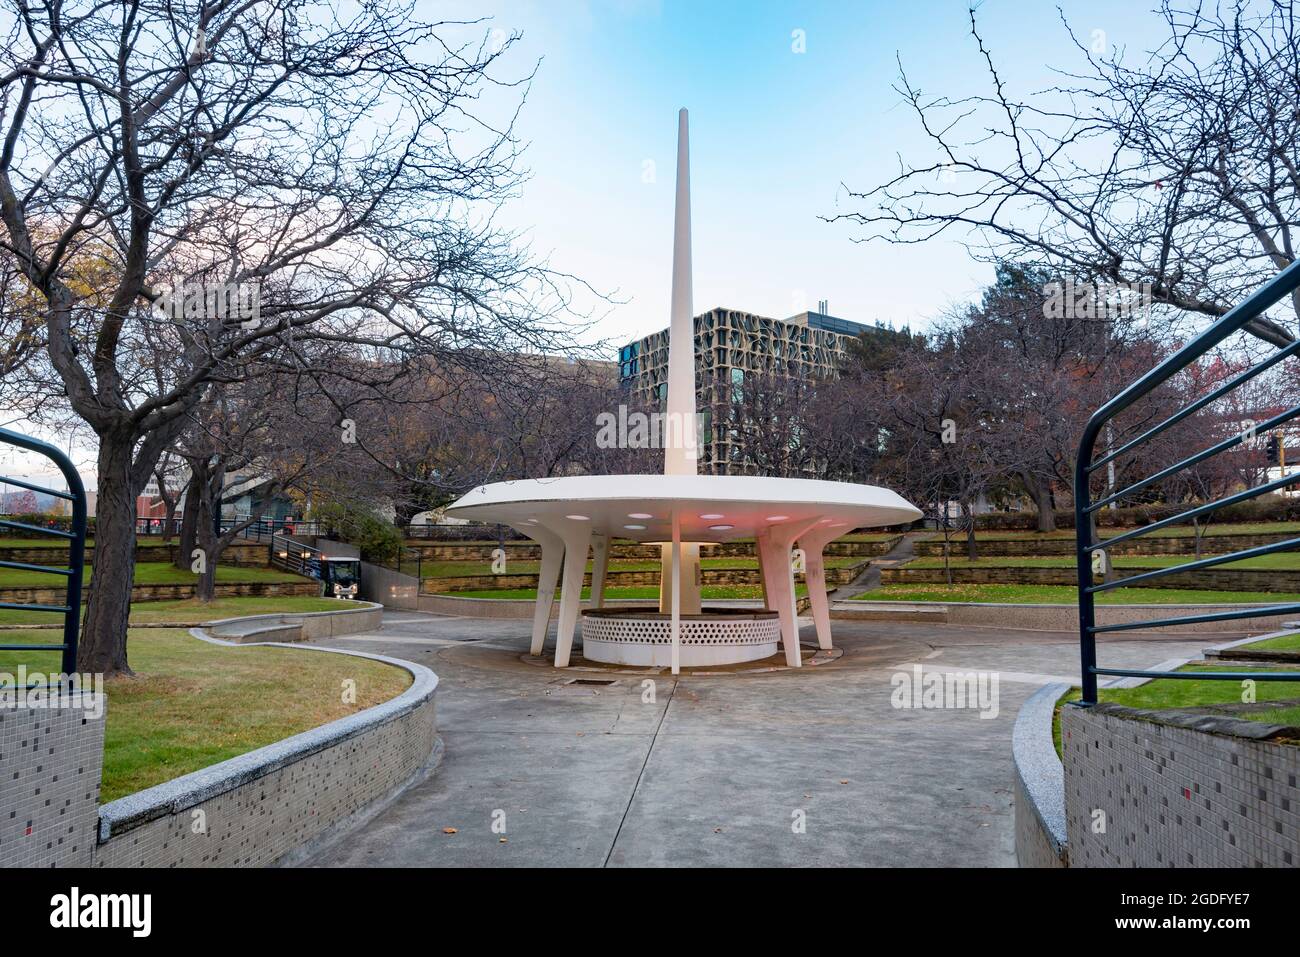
point(449, 830)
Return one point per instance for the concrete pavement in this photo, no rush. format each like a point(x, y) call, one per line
point(807, 768)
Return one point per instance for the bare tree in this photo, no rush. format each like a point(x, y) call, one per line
point(1181, 172)
point(343, 173)
point(166, 471)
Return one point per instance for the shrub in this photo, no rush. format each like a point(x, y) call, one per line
point(379, 541)
point(1265, 508)
point(62, 523)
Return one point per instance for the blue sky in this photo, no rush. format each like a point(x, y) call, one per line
point(774, 133)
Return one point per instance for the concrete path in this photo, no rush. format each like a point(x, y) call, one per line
point(808, 768)
point(869, 580)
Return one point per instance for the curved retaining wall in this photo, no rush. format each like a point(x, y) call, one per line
point(1140, 788)
point(310, 625)
point(1179, 789)
point(277, 804)
point(1039, 783)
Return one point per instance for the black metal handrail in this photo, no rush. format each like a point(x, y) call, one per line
point(76, 539)
point(267, 528)
point(295, 557)
point(1283, 284)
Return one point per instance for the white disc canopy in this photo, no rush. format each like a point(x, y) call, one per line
point(710, 508)
point(573, 516)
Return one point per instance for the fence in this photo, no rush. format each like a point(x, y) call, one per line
point(75, 536)
point(1283, 284)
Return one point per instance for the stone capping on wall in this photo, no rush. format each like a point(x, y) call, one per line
point(172, 797)
point(1215, 724)
point(1038, 769)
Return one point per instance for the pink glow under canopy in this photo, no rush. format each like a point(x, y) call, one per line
point(744, 502)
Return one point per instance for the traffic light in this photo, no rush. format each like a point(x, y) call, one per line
point(1274, 448)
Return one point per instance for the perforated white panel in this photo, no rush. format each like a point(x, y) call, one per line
point(636, 640)
point(694, 631)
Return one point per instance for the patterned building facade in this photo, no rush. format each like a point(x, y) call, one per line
point(729, 347)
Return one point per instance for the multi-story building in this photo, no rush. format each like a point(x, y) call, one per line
point(729, 347)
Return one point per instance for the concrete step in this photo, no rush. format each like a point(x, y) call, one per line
point(287, 629)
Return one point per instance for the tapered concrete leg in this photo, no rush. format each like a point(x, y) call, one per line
point(780, 593)
point(599, 566)
point(815, 576)
point(775, 541)
point(814, 543)
point(577, 538)
point(548, 575)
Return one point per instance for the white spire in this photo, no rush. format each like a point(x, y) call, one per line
point(680, 451)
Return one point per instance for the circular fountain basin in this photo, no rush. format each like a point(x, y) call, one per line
point(644, 638)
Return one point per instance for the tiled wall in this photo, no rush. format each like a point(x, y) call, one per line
point(1174, 796)
point(50, 765)
point(50, 761)
point(258, 822)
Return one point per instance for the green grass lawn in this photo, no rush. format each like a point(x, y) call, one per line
point(152, 573)
point(1164, 694)
point(1281, 643)
point(1067, 595)
point(193, 704)
point(611, 594)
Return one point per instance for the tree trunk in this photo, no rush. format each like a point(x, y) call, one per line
point(947, 543)
point(187, 544)
point(209, 542)
point(170, 503)
point(971, 549)
point(1041, 492)
point(103, 638)
point(205, 589)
